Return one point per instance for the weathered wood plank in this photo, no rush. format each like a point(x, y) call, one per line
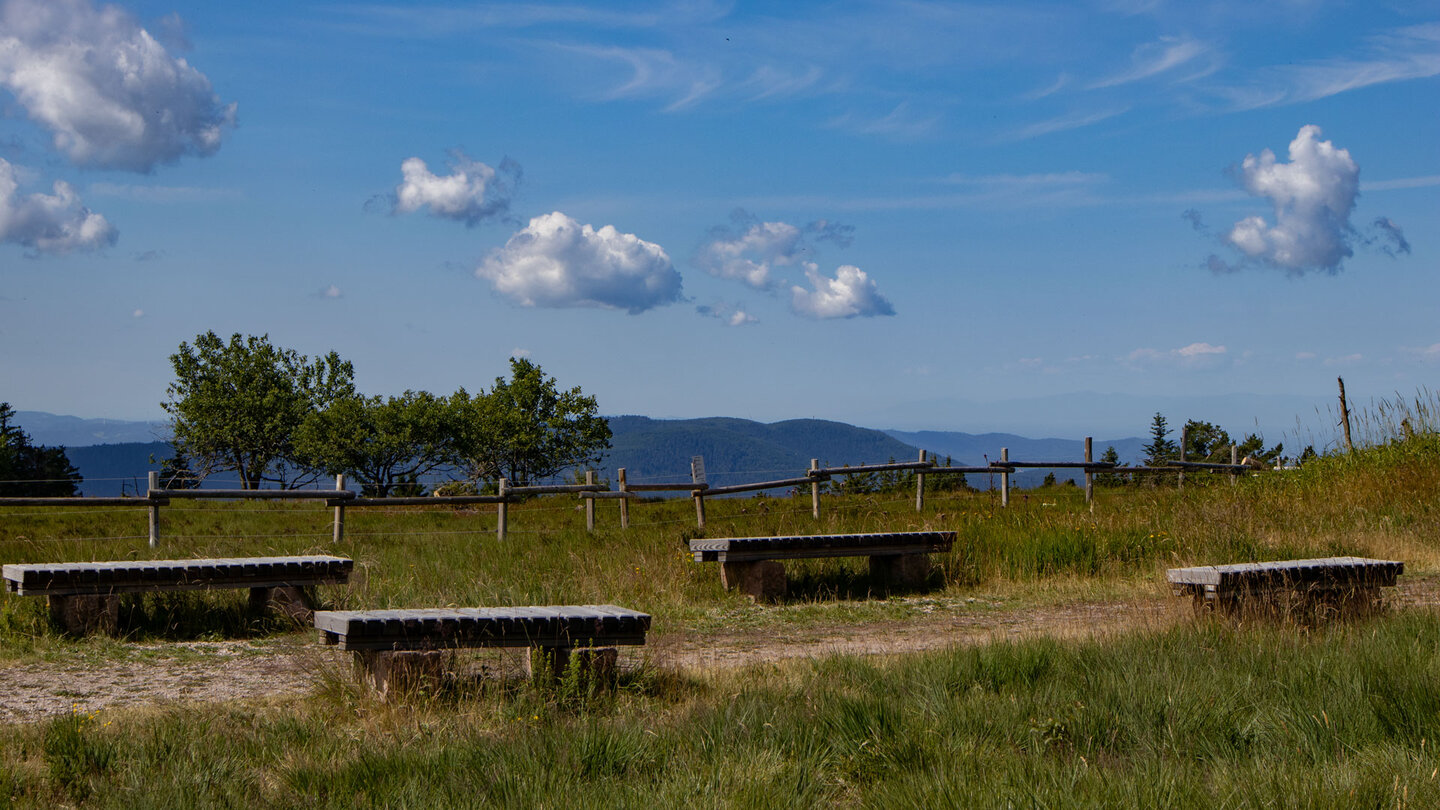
point(76, 578)
point(524, 626)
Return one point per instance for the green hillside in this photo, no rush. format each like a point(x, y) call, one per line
point(739, 450)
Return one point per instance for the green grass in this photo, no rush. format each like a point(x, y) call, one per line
point(1198, 716)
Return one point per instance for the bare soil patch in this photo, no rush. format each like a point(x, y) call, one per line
point(208, 672)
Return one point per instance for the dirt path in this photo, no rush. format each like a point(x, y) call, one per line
point(240, 670)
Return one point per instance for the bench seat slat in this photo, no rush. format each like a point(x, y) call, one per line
point(430, 628)
point(100, 578)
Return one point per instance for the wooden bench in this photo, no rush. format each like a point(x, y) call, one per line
point(752, 564)
point(85, 596)
point(397, 648)
point(1312, 587)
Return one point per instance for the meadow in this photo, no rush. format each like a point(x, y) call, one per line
point(1174, 714)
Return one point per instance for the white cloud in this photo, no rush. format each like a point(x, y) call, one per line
point(332, 291)
point(1305, 355)
point(472, 192)
point(109, 93)
point(1155, 58)
point(850, 294)
point(1429, 354)
point(49, 223)
point(139, 313)
point(557, 262)
point(749, 250)
point(1195, 355)
point(1069, 121)
point(1344, 360)
point(1313, 196)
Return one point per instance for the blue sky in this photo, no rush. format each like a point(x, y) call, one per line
point(893, 214)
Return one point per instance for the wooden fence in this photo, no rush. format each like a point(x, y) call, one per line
point(341, 498)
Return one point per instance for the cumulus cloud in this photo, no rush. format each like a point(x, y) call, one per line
point(850, 294)
point(331, 292)
point(471, 193)
point(1313, 196)
point(108, 92)
point(749, 250)
point(558, 262)
point(49, 223)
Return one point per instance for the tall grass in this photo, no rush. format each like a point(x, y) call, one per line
point(1196, 716)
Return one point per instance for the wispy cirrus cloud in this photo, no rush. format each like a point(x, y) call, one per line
point(1400, 54)
point(1069, 121)
point(1156, 58)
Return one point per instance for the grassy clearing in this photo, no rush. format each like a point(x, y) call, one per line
point(1046, 547)
point(1196, 716)
point(1187, 716)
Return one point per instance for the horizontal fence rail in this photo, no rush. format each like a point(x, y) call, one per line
point(341, 498)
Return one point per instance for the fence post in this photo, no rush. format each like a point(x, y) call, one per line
point(503, 512)
point(624, 501)
point(699, 496)
point(1004, 478)
point(339, 510)
point(920, 486)
point(590, 503)
point(152, 485)
point(1089, 475)
point(1184, 440)
point(814, 489)
point(1234, 459)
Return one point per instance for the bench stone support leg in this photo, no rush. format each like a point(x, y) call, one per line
point(549, 665)
point(82, 614)
point(397, 672)
point(900, 570)
point(762, 580)
point(292, 601)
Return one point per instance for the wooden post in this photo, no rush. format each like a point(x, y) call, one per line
point(1234, 459)
point(1345, 415)
point(339, 510)
point(502, 512)
point(699, 508)
point(624, 502)
point(1089, 476)
point(590, 503)
point(920, 486)
point(1004, 478)
point(1184, 440)
point(815, 489)
point(152, 485)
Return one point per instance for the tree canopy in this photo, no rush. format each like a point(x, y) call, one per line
point(31, 471)
point(237, 405)
point(381, 443)
point(526, 429)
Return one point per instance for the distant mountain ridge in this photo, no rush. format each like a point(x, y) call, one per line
point(735, 450)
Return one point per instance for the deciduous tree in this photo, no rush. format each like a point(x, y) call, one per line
point(381, 443)
point(526, 429)
point(237, 405)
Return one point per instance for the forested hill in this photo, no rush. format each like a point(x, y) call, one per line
point(739, 450)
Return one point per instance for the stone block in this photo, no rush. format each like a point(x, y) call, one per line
point(762, 580)
point(900, 571)
point(291, 601)
point(86, 613)
point(401, 671)
point(591, 664)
